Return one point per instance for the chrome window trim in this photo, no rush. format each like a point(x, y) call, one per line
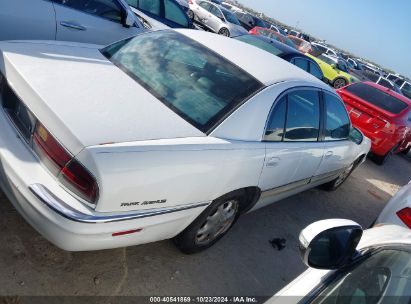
point(63, 209)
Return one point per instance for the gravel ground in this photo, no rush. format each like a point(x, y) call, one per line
point(243, 263)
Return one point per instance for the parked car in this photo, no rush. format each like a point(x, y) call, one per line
point(302, 45)
point(382, 81)
point(335, 70)
point(216, 18)
point(398, 209)
point(249, 21)
point(326, 50)
point(272, 35)
point(231, 7)
point(177, 136)
point(285, 52)
point(349, 265)
point(277, 29)
point(300, 35)
point(405, 87)
point(169, 12)
point(98, 22)
point(382, 115)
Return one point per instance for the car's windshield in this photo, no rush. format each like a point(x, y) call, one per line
point(377, 97)
point(230, 17)
point(266, 46)
point(374, 280)
point(193, 81)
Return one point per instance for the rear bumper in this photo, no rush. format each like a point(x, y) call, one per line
point(65, 221)
point(381, 144)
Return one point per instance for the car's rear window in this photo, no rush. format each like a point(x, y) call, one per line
point(261, 44)
point(193, 81)
point(377, 97)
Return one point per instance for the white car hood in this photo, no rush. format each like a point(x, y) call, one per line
point(83, 99)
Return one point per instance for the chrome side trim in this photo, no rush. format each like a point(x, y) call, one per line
point(285, 188)
point(60, 207)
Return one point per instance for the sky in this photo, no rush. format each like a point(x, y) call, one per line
point(378, 30)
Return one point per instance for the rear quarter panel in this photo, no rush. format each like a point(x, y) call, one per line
point(180, 171)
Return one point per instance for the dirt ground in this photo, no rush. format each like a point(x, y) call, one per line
point(243, 263)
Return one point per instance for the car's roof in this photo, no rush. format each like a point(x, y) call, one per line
point(388, 91)
point(262, 65)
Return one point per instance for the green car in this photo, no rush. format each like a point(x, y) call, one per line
point(335, 70)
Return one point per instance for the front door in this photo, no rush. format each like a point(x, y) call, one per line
point(293, 150)
point(339, 150)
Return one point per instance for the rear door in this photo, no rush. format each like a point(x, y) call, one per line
point(214, 18)
point(92, 21)
point(27, 19)
point(202, 11)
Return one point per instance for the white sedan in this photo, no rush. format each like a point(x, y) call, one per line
point(347, 265)
point(170, 134)
point(398, 209)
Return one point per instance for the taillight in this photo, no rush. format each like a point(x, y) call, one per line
point(50, 147)
point(61, 163)
point(405, 216)
point(77, 178)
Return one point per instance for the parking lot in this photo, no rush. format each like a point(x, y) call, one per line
point(243, 263)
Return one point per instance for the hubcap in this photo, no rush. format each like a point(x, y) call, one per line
point(217, 223)
point(339, 83)
point(224, 32)
point(344, 175)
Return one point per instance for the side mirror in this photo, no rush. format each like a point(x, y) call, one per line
point(356, 136)
point(128, 19)
point(334, 66)
point(329, 244)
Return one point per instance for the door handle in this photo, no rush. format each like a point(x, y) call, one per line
point(329, 154)
point(73, 25)
point(273, 162)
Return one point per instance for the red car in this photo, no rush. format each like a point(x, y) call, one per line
point(273, 35)
point(382, 115)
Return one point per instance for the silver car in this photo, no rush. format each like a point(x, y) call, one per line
point(215, 18)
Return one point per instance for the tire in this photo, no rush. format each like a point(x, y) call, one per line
point(406, 151)
point(336, 183)
point(211, 225)
point(382, 159)
point(339, 83)
point(190, 15)
point(224, 32)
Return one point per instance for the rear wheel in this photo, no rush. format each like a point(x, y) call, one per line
point(224, 32)
point(406, 151)
point(190, 15)
point(336, 183)
point(211, 225)
point(339, 83)
point(382, 159)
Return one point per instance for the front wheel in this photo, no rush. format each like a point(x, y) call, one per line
point(224, 32)
point(339, 83)
point(210, 226)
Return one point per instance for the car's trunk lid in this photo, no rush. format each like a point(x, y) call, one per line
point(83, 99)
